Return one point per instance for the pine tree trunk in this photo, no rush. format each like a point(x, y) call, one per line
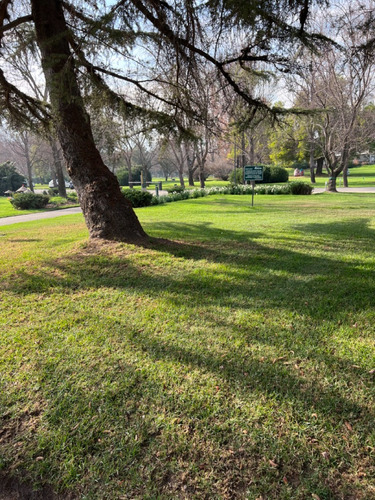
point(107, 213)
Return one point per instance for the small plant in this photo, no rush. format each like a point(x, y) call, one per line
point(138, 198)
point(300, 188)
point(26, 201)
point(53, 191)
point(175, 189)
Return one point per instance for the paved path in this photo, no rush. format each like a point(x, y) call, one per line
point(6, 221)
point(349, 190)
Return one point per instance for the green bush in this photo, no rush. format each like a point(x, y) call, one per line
point(277, 174)
point(300, 188)
point(10, 179)
point(138, 198)
point(26, 201)
point(53, 191)
point(236, 176)
point(175, 189)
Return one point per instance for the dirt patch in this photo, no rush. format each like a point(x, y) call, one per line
point(12, 489)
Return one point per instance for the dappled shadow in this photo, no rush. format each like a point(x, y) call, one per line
point(253, 273)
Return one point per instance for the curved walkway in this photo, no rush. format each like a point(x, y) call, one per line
point(6, 221)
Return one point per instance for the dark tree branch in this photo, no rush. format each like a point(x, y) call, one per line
point(15, 23)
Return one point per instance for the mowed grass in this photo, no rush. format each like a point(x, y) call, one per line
point(231, 360)
point(358, 177)
point(7, 209)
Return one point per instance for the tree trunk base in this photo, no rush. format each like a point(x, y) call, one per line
point(331, 185)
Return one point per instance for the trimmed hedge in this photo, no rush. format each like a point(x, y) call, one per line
point(176, 189)
point(26, 201)
point(144, 198)
point(138, 198)
point(300, 188)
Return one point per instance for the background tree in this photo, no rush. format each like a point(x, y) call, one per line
point(10, 179)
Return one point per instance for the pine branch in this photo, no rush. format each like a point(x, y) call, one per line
point(21, 107)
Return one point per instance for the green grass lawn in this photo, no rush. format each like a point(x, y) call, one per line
point(358, 177)
point(231, 359)
point(7, 210)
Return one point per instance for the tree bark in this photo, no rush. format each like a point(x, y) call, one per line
point(311, 159)
point(201, 176)
point(181, 177)
point(191, 176)
point(319, 166)
point(345, 176)
point(331, 185)
point(29, 168)
point(107, 213)
point(58, 167)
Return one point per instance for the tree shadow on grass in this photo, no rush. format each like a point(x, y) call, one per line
point(351, 229)
point(251, 279)
point(250, 272)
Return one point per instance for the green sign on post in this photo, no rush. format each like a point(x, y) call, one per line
point(252, 173)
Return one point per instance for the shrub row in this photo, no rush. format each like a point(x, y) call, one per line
point(25, 201)
point(144, 198)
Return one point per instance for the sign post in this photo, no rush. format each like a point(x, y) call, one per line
point(252, 173)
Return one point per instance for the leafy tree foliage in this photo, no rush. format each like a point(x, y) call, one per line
point(10, 179)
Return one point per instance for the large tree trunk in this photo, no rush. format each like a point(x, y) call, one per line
point(107, 213)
